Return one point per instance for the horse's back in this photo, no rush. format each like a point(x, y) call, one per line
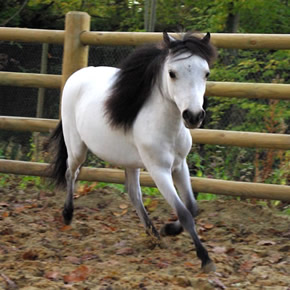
point(84, 80)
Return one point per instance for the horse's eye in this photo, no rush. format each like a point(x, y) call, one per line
point(207, 75)
point(172, 74)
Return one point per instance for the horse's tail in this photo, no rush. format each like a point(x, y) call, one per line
point(58, 165)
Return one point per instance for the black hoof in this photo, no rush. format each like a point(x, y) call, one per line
point(67, 215)
point(171, 230)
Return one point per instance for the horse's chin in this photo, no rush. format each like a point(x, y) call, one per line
point(192, 126)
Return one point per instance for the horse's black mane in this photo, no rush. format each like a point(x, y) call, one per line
point(139, 72)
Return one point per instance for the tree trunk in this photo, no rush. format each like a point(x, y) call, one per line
point(149, 15)
point(232, 26)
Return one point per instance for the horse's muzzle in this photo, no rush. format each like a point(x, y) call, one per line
point(192, 120)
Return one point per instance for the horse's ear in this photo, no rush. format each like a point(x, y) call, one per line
point(167, 38)
point(206, 38)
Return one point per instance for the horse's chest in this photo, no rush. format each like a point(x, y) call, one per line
point(182, 146)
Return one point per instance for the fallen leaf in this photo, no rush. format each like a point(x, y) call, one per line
point(108, 227)
point(275, 258)
point(20, 209)
point(162, 265)
point(247, 266)
point(189, 265)
point(173, 218)
point(208, 226)
point(87, 257)
point(230, 251)
point(120, 213)
point(217, 283)
point(153, 205)
point(10, 284)
point(5, 214)
point(266, 243)
point(81, 273)
point(201, 275)
point(219, 250)
point(120, 244)
point(125, 251)
point(65, 228)
point(73, 260)
point(123, 206)
point(53, 275)
point(30, 255)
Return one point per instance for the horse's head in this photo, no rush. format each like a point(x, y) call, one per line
point(187, 69)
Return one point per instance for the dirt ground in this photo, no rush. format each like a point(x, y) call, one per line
point(106, 247)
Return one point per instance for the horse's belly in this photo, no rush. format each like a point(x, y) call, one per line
point(114, 150)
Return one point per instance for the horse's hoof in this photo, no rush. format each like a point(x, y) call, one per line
point(171, 230)
point(209, 267)
point(67, 216)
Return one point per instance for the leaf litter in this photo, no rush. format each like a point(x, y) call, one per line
point(106, 248)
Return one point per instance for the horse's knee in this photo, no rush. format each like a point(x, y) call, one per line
point(171, 229)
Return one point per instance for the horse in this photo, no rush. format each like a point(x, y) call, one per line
point(139, 116)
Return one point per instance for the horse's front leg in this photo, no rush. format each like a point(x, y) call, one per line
point(135, 194)
point(163, 179)
point(181, 178)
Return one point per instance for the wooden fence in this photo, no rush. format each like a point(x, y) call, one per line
point(77, 36)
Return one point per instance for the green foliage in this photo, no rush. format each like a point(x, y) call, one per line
point(119, 187)
point(206, 196)
point(27, 181)
point(4, 180)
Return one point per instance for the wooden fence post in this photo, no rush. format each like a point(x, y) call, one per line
point(75, 54)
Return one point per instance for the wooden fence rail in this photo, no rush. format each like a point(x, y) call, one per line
point(222, 187)
point(30, 80)
point(199, 136)
point(217, 89)
point(221, 40)
point(31, 35)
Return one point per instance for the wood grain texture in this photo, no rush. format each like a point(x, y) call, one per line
point(199, 136)
point(221, 40)
point(30, 80)
point(75, 53)
point(31, 35)
point(222, 187)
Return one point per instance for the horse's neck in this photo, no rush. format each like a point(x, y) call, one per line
point(161, 113)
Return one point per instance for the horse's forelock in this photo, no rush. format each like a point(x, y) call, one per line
point(194, 45)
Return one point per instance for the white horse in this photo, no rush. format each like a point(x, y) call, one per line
point(138, 117)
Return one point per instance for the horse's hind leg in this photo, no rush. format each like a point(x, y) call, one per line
point(76, 157)
point(135, 194)
point(182, 182)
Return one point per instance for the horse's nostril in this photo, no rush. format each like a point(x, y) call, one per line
point(186, 115)
point(201, 115)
